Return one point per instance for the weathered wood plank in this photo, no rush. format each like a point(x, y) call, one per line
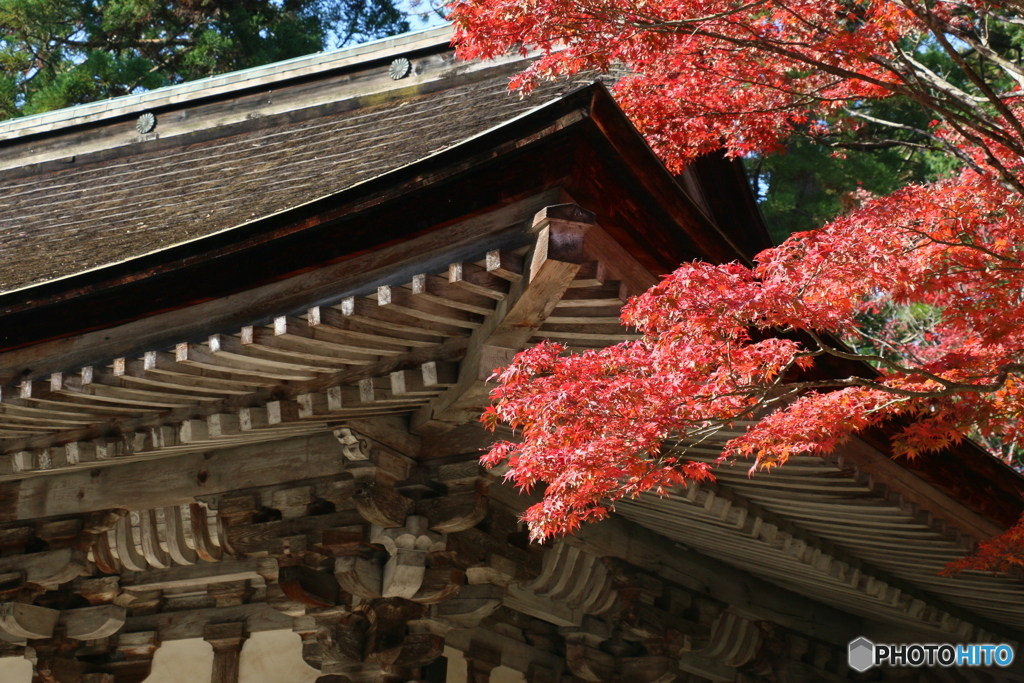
point(169, 481)
point(225, 346)
point(410, 383)
point(19, 620)
point(43, 395)
point(199, 356)
point(916, 490)
point(271, 299)
point(166, 364)
point(618, 262)
point(134, 372)
point(258, 616)
point(404, 301)
point(69, 385)
point(313, 335)
point(94, 377)
point(49, 568)
point(304, 350)
point(555, 260)
point(476, 279)
point(333, 321)
point(505, 265)
point(441, 291)
point(254, 537)
point(382, 317)
point(93, 623)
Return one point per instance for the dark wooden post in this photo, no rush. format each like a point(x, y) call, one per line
point(480, 661)
point(227, 640)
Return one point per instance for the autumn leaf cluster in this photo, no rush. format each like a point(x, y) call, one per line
point(765, 350)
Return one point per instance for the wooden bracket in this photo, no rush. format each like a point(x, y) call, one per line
point(556, 258)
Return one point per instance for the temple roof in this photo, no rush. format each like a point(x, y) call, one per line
point(316, 253)
point(74, 213)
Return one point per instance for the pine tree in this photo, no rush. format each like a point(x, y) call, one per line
point(57, 53)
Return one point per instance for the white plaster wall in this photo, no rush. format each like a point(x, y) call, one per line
point(15, 670)
point(177, 661)
point(457, 672)
point(503, 674)
point(267, 657)
point(274, 657)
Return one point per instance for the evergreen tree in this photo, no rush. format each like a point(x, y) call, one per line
point(57, 53)
point(816, 175)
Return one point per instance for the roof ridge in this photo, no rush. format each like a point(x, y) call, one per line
point(226, 83)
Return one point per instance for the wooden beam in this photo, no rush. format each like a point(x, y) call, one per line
point(556, 258)
point(262, 303)
point(916, 491)
point(48, 569)
point(257, 616)
point(20, 620)
point(617, 537)
point(226, 640)
point(170, 481)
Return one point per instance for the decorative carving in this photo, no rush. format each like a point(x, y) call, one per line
point(473, 604)
point(734, 640)
point(145, 123)
point(400, 68)
point(359, 576)
point(46, 570)
point(583, 654)
point(456, 511)
point(185, 532)
point(93, 623)
point(27, 621)
point(380, 504)
point(572, 583)
point(101, 591)
point(408, 547)
point(353, 446)
point(594, 652)
point(376, 637)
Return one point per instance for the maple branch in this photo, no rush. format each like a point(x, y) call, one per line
point(944, 144)
point(981, 123)
point(1012, 70)
point(949, 387)
point(882, 360)
point(884, 343)
point(885, 143)
point(1004, 173)
point(967, 245)
point(954, 388)
point(939, 29)
point(941, 84)
point(680, 23)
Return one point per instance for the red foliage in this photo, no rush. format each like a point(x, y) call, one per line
point(1003, 553)
point(726, 344)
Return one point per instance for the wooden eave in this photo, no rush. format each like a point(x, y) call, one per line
point(328, 333)
point(611, 163)
point(581, 143)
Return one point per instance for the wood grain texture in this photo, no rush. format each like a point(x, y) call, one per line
point(169, 481)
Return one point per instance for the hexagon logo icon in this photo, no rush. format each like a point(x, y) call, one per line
point(862, 654)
